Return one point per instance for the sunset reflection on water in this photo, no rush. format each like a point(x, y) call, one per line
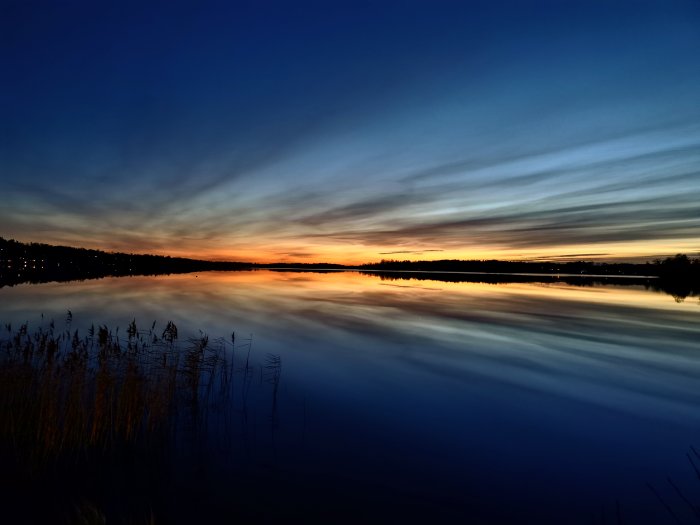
point(469, 390)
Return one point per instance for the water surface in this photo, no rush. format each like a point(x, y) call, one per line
point(499, 403)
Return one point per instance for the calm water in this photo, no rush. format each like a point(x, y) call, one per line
point(503, 403)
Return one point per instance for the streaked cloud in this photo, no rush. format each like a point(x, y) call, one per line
point(447, 132)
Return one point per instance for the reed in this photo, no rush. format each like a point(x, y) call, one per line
point(72, 401)
point(64, 393)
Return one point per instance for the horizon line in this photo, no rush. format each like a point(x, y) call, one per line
point(556, 259)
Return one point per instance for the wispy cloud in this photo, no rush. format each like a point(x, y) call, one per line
point(396, 143)
point(409, 251)
point(301, 255)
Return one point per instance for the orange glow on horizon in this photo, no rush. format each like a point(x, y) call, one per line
point(355, 254)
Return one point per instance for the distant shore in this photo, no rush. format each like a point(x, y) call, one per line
point(35, 263)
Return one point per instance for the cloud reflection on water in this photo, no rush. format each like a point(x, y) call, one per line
point(586, 379)
point(623, 347)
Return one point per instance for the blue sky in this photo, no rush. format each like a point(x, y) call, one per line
point(353, 131)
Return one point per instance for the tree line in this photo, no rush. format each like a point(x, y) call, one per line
point(677, 267)
point(35, 262)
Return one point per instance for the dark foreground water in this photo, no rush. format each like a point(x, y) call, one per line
point(423, 400)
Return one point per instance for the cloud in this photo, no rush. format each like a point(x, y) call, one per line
point(568, 256)
point(409, 251)
point(610, 194)
point(641, 186)
point(302, 255)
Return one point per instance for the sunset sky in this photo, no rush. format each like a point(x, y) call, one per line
point(353, 131)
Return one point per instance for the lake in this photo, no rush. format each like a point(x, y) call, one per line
point(405, 399)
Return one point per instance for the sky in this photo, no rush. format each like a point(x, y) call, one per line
point(353, 131)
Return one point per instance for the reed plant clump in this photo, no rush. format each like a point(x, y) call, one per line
point(64, 394)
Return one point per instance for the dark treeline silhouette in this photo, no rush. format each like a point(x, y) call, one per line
point(677, 267)
point(33, 262)
point(678, 276)
point(494, 266)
